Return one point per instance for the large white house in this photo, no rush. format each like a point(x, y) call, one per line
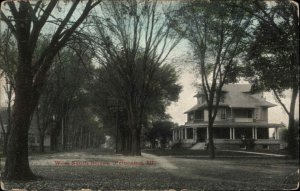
point(242, 116)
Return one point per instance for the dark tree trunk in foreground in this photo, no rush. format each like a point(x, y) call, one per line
point(292, 141)
point(17, 164)
point(135, 144)
point(54, 137)
point(211, 145)
point(41, 144)
point(26, 23)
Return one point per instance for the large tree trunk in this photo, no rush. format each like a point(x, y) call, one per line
point(17, 163)
point(41, 144)
point(292, 142)
point(5, 139)
point(211, 145)
point(53, 141)
point(136, 144)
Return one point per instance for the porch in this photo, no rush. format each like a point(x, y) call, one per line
point(227, 137)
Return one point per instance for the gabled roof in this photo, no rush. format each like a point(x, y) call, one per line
point(238, 96)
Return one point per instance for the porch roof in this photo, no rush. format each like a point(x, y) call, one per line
point(235, 124)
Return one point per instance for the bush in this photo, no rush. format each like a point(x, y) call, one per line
point(249, 143)
point(177, 145)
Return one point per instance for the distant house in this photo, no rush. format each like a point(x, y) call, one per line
point(33, 135)
point(242, 116)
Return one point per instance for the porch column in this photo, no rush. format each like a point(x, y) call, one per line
point(207, 133)
point(195, 133)
point(233, 133)
point(253, 133)
point(173, 134)
point(181, 133)
point(230, 130)
point(185, 135)
point(276, 133)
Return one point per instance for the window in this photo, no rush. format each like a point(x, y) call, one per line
point(223, 113)
point(199, 114)
point(221, 133)
point(191, 116)
point(249, 113)
point(262, 133)
point(189, 133)
point(257, 113)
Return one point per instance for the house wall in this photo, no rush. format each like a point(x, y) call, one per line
point(264, 114)
point(200, 99)
point(238, 114)
point(261, 114)
point(205, 115)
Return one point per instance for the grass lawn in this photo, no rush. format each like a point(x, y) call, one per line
point(165, 173)
point(204, 153)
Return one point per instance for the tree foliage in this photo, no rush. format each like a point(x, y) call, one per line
point(273, 56)
point(110, 89)
point(132, 45)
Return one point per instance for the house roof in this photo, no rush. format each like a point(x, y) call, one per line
point(237, 96)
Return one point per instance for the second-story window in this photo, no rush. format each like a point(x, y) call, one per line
point(250, 113)
point(223, 113)
point(190, 117)
point(199, 114)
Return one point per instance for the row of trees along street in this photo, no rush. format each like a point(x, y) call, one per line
point(79, 73)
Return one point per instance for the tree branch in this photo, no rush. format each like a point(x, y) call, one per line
point(8, 23)
point(38, 25)
point(280, 101)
